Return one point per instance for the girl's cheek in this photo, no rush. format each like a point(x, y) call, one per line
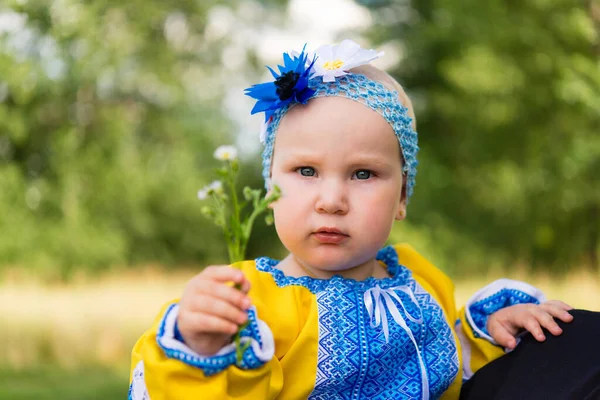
point(292, 186)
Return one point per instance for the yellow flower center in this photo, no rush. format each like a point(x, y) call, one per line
point(331, 65)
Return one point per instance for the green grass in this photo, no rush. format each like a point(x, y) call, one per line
point(86, 383)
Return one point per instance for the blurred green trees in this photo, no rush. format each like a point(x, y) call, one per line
point(508, 107)
point(110, 111)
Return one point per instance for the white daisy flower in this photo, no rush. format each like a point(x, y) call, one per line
point(216, 187)
point(226, 153)
point(203, 193)
point(335, 61)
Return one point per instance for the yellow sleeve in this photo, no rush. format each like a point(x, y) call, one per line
point(476, 351)
point(160, 377)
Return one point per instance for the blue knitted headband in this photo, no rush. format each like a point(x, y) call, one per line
point(300, 80)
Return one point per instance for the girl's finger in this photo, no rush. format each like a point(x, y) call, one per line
point(206, 304)
point(532, 325)
point(557, 310)
point(223, 292)
point(206, 323)
point(221, 273)
point(501, 335)
point(547, 321)
point(245, 285)
point(559, 303)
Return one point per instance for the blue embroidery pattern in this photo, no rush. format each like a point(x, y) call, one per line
point(354, 359)
point(481, 310)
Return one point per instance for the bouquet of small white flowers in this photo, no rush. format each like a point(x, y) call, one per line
point(228, 212)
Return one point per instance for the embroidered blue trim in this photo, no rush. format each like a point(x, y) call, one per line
point(482, 309)
point(214, 364)
point(398, 274)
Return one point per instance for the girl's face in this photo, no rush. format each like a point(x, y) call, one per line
point(338, 165)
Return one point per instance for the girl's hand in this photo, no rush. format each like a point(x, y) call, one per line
point(505, 324)
point(211, 311)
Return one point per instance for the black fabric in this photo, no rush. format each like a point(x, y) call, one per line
point(565, 367)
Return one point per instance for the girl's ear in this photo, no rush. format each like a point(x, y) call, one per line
point(401, 214)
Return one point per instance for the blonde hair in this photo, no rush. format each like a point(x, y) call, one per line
point(377, 75)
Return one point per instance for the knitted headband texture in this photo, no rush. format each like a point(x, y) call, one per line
point(325, 73)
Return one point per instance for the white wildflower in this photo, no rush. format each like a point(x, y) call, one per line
point(216, 187)
point(203, 193)
point(226, 153)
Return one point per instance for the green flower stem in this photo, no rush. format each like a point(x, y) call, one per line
point(248, 227)
point(234, 243)
point(227, 213)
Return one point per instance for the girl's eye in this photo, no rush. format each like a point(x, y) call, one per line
point(306, 171)
point(363, 174)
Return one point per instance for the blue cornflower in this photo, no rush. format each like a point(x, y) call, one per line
point(291, 84)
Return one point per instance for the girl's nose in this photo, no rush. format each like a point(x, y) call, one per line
point(331, 198)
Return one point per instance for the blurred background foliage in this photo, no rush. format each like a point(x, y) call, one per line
point(110, 112)
point(508, 107)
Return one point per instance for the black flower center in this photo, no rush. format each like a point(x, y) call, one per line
point(285, 84)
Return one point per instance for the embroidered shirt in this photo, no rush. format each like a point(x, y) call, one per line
point(391, 338)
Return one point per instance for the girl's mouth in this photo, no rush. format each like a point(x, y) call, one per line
point(330, 236)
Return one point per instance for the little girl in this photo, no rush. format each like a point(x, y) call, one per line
point(341, 317)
